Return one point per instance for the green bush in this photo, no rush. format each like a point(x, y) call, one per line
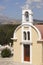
point(6, 52)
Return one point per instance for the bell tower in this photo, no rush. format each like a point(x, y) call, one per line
point(27, 15)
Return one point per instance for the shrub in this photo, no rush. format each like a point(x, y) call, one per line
point(6, 52)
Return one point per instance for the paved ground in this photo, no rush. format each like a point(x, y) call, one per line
point(9, 61)
point(6, 61)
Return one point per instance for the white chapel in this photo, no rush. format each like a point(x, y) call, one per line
point(27, 41)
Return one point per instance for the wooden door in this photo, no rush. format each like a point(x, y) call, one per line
point(26, 52)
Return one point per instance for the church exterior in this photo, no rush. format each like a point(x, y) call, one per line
point(27, 41)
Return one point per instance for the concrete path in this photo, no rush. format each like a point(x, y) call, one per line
point(9, 61)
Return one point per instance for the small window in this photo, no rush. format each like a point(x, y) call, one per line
point(28, 35)
point(24, 35)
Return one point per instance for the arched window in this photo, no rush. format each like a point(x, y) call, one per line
point(24, 35)
point(27, 16)
point(28, 35)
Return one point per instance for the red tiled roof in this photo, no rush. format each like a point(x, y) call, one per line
point(40, 28)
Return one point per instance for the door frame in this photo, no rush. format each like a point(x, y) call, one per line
point(30, 54)
point(27, 52)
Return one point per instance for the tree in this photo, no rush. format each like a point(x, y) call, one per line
point(6, 33)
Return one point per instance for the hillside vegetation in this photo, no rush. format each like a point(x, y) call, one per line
point(6, 33)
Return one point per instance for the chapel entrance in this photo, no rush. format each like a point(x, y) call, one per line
point(26, 52)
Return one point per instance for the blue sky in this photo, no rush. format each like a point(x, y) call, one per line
point(13, 8)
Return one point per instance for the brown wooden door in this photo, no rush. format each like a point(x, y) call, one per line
point(26, 52)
